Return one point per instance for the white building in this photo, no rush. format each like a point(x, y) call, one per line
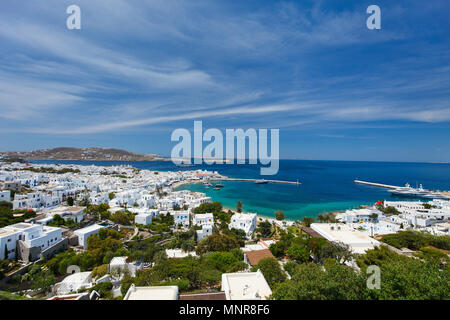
point(357, 215)
point(8, 243)
point(204, 219)
point(119, 265)
point(85, 233)
point(74, 213)
point(204, 232)
point(405, 206)
point(358, 242)
point(152, 293)
point(245, 286)
point(198, 201)
point(144, 219)
point(74, 282)
point(244, 221)
point(181, 218)
point(33, 235)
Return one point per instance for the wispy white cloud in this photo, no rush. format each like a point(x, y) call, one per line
point(164, 119)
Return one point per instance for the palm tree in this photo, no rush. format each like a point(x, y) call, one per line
point(322, 218)
point(307, 221)
point(279, 215)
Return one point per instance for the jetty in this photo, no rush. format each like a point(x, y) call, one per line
point(381, 185)
point(255, 180)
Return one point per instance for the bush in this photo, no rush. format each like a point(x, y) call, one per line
point(208, 207)
point(311, 282)
point(298, 253)
point(271, 270)
point(416, 240)
point(100, 271)
point(103, 288)
point(216, 242)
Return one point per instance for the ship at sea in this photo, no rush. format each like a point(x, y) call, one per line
point(408, 191)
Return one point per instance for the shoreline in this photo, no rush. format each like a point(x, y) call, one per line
point(259, 216)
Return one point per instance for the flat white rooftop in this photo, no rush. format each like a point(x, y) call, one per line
point(152, 293)
point(6, 232)
point(245, 286)
point(92, 228)
point(358, 241)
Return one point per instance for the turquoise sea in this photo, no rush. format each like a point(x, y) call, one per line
point(326, 185)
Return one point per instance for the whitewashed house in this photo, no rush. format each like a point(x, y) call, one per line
point(144, 219)
point(204, 232)
point(181, 218)
point(32, 235)
point(244, 221)
point(203, 219)
point(85, 233)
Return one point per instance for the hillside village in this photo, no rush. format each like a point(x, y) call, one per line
point(75, 232)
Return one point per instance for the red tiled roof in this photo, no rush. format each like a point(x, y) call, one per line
point(256, 255)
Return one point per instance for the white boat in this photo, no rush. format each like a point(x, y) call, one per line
point(262, 181)
point(408, 191)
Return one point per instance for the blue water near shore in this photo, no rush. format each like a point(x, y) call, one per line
point(326, 185)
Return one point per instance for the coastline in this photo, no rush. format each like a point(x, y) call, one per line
point(260, 217)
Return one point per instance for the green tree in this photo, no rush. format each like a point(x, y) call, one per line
point(122, 217)
point(271, 270)
point(216, 242)
point(103, 288)
point(335, 250)
point(222, 261)
point(298, 253)
point(312, 282)
point(264, 228)
point(208, 207)
point(307, 221)
point(415, 240)
point(70, 201)
point(43, 280)
point(99, 271)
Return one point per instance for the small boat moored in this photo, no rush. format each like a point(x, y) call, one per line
point(262, 181)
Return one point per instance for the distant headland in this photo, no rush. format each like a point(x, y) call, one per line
point(91, 154)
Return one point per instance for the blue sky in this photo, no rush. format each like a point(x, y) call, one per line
point(139, 69)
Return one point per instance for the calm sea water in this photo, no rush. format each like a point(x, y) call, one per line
point(326, 185)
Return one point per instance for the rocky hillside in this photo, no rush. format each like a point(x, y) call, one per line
point(97, 154)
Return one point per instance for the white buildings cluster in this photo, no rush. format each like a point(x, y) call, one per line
point(143, 192)
point(118, 186)
point(431, 216)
